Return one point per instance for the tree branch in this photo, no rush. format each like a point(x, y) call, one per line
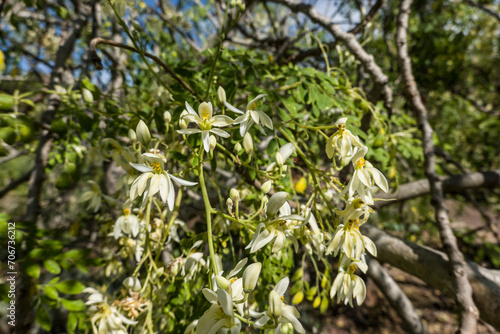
point(396, 297)
point(453, 183)
point(349, 40)
point(57, 76)
point(484, 9)
point(468, 311)
point(98, 64)
point(431, 266)
point(15, 183)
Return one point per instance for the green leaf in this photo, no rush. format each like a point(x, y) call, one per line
point(290, 105)
point(70, 287)
point(33, 270)
point(272, 147)
point(52, 266)
point(72, 322)
point(43, 318)
point(51, 292)
point(324, 102)
point(74, 305)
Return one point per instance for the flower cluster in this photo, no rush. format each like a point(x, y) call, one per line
point(347, 239)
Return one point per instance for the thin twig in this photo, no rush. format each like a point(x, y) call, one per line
point(468, 311)
point(98, 63)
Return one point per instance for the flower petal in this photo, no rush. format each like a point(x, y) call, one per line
point(190, 109)
point(171, 194)
point(221, 120)
point(220, 133)
point(205, 138)
point(255, 116)
point(182, 182)
point(188, 131)
point(233, 109)
point(266, 120)
point(281, 286)
point(256, 98)
point(141, 167)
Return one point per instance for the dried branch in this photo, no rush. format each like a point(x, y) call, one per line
point(431, 266)
point(396, 297)
point(468, 311)
point(98, 64)
point(453, 183)
point(349, 40)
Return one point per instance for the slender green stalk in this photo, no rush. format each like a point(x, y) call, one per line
point(208, 212)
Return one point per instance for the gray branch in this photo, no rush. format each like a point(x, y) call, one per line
point(432, 267)
point(396, 297)
point(456, 267)
point(455, 183)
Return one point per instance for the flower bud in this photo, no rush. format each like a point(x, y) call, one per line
point(248, 143)
point(182, 123)
point(167, 117)
point(286, 150)
point(229, 203)
point(275, 203)
point(234, 194)
point(143, 134)
point(222, 282)
point(132, 283)
point(251, 276)
point(279, 160)
point(221, 94)
point(275, 304)
point(237, 148)
point(213, 142)
point(132, 135)
point(266, 187)
point(87, 95)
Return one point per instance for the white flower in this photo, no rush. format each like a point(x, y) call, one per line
point(342, 142)
point(108, 318)
point(132, 283)
point(364, 178)
point(315, 236)
point(251, 116)
point(278, 312)
point(279, 229)
point(205, 121)
point(347, 285)
point(220, 316)
point(128, 224)
point(155, 179)
point(356, 209)
point(352, 243)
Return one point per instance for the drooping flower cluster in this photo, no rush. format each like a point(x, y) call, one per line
point(347, 239)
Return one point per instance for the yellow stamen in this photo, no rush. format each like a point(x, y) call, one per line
point(126, 212)
point(252, 106)
point(156, 167)
point(341, 127)
point(233, 279)
point(282, 299)
point(360, 163)
point(205, 113)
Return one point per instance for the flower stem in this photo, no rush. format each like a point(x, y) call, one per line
point(208, 211)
